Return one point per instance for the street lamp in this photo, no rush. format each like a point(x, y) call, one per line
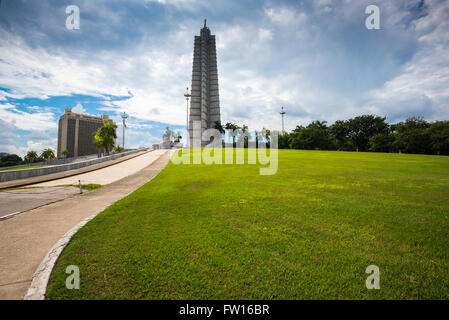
point(282, 114)
point(187, 95)
point(124, 117)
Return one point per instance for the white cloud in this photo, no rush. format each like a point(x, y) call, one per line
point(281, 58)
point(286, 16)
point(79, 109)
point(27, 121)
point(37, 140)
point(151, 75)
point(421, 88)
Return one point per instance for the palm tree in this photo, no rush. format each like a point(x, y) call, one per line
point(48, 154)
point(65, 153)
point(105, 136)
point(31, 157)
point(234, 127)
point(118, 148)
point(244, 135)
point(218, 126)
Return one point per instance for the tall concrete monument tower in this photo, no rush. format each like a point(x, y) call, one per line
point(205, 102)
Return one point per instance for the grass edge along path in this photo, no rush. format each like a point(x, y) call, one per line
point(22, 168)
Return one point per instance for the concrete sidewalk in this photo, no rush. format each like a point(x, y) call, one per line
point(25, 239)
point(17, 201)
point(109, 174)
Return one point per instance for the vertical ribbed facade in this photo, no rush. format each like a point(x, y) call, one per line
point(76, 133)
point(205, 102)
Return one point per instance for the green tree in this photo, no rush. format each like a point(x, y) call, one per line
point(31, 157)
point(234, 127)
point(10, 160)
point(244, 135)
point(439, 137)
point(118, 149)
point(284, 140)
point(267, 134)
point(316, 136)
point(263, 135)
point(48, 154)
point(293, 140)
point(218, 126)
point(381, 142)
point(361, 128)
point(339, 135)
point(412, 136)
point(65, 153)
point(105, 136)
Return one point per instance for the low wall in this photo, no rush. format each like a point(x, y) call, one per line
point(24, 165)
point(29, 173)
point(53, 162)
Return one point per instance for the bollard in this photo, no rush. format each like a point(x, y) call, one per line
point(81, 187)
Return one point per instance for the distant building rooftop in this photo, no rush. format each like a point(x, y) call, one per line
point(68, 113)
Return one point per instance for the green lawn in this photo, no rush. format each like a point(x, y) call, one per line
point(22, 168)
point(308, 232)
point(89, 187)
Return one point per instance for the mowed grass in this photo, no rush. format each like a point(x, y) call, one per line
point(22, 168)
point(308, 232)
point(89, 187)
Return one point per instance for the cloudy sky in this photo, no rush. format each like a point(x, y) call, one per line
point(315, 58)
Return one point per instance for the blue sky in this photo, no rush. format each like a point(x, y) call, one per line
point(315, 58)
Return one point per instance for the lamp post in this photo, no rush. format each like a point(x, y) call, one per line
point(282, 114)
point(187, 95)
point(124, 117)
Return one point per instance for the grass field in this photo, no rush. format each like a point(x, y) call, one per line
point(308, 232)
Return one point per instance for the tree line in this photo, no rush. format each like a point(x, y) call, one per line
point(366, 133)
point(11, 160)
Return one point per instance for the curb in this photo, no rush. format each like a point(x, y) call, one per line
point(8, 216)
point(38, 286)
point(41, 276)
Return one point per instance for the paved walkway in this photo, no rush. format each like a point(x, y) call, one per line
point(63, 174)
point(25, 239)
point(109, 174)
point(16, 201)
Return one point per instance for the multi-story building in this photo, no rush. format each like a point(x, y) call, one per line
point(76, 133)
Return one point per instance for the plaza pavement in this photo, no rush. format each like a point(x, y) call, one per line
point(109, 174)
point(25, 239)
point(13, 202)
